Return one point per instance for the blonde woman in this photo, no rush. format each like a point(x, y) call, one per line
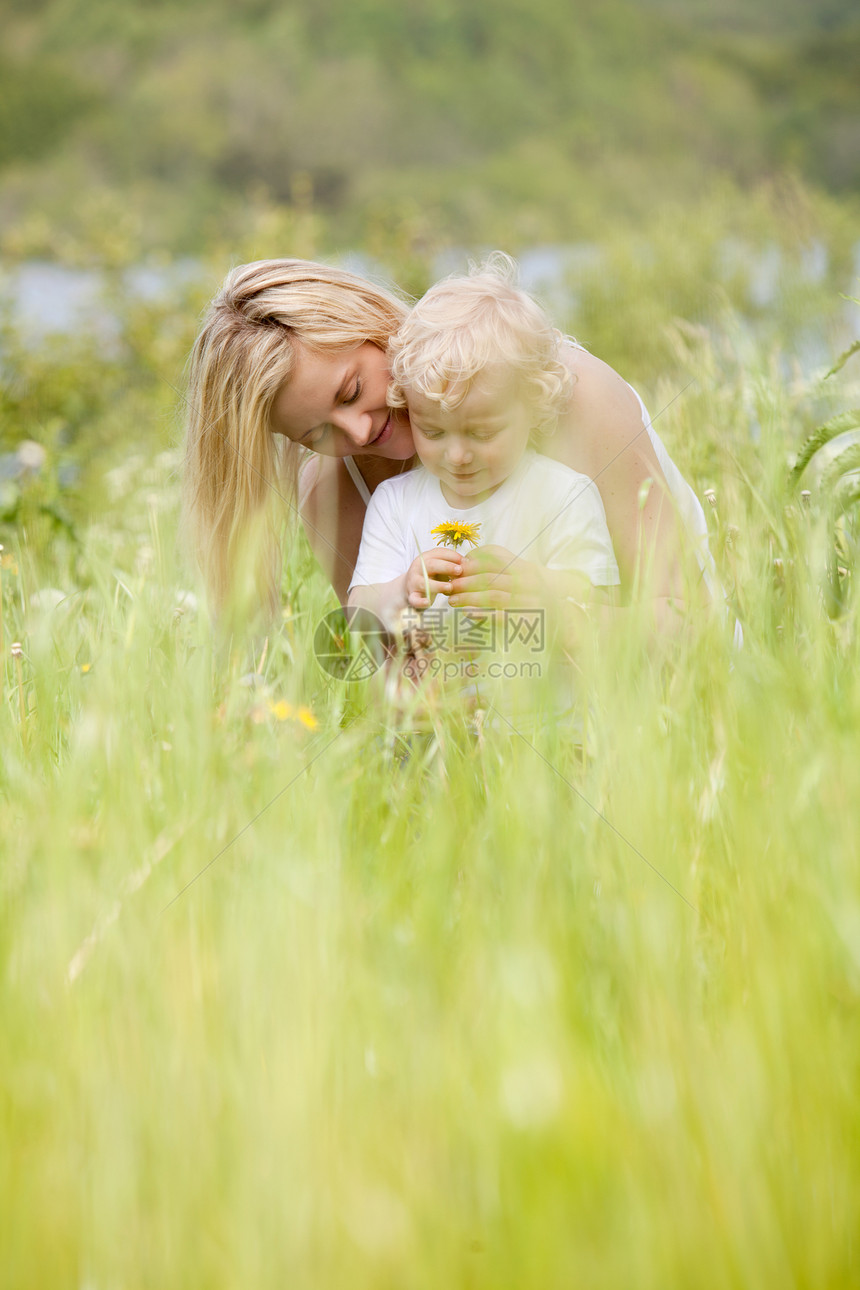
point(288, 398)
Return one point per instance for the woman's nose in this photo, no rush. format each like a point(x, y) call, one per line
point(357, 426)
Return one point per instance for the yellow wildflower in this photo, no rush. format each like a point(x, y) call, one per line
point(454, 533)
point(284, 711)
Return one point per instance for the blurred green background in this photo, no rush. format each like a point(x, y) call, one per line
point(432, 1021)
point(652, 163)
point(517, 122)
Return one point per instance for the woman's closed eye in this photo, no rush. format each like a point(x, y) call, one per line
point(356, 394)
point(315, 436)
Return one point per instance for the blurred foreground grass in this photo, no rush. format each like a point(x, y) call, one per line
point(280, 1007)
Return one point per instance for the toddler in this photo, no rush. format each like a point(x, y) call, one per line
point(477, 365)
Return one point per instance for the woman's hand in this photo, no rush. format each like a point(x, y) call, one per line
point(430, 574)
point(495, 578)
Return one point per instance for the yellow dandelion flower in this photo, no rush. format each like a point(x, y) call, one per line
point(85, 667)
point(281, 710)
point(454, 533)
point(307, 718)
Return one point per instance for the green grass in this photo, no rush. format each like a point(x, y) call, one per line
point(281, 1007)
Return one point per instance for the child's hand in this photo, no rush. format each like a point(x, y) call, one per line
point(493, 578)
point(431, 573)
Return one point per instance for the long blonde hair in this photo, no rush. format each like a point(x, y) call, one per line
point(235, 468)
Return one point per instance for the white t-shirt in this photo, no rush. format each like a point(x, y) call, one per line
point(543, 512)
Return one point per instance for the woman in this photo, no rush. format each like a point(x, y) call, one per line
point(292, 355)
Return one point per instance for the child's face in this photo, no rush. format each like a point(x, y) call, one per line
point(474, 448)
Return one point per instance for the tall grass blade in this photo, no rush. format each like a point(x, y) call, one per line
point(846, 463)
point(842, 359)
point(822, 435)
point(847, 496)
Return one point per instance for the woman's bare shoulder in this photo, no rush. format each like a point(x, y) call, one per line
point(603, 419)
point(319, 480)
point(601, 399)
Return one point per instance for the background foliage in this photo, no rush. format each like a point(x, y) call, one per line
point(288, 996)
point(517, 121)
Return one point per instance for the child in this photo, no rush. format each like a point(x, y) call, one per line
point(477, 364)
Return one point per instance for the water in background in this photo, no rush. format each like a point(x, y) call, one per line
point(42, 299)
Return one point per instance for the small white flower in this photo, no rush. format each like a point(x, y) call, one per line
point(186, 602)
point(144, 558)
point(47, 598)
point(31, 455)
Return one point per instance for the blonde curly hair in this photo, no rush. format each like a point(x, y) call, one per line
point(465, 324)
point(235, 469)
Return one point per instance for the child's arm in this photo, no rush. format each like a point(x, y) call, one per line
point(378, 581)
point(388, 575)
point(427, 576)
point(385, 599)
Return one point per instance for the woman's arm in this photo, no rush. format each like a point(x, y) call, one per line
point(497, 579)
point(332, 514)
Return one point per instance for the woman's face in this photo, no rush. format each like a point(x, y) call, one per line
point(334, 403)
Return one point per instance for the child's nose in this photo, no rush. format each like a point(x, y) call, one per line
point(459, 452)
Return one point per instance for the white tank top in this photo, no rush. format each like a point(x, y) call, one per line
point(688, 505)
point(692, 517)
point(358, 479)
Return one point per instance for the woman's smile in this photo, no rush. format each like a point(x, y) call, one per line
point(333, 403)
point(383, 436)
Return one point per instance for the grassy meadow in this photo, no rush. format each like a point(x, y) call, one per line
point(283, 1006)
